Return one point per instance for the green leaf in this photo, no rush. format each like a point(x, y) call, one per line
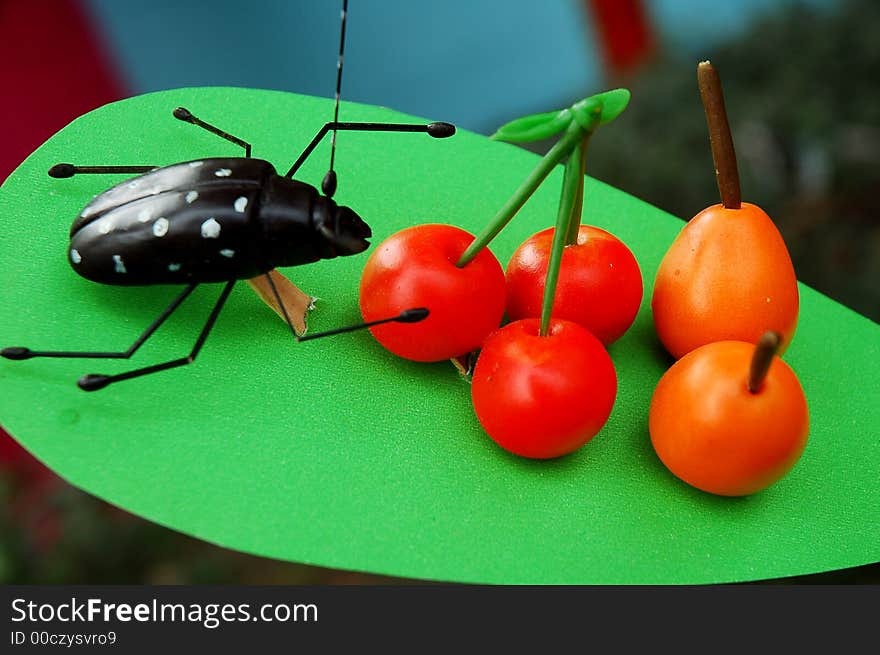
point(613, 103)
point(534, 127)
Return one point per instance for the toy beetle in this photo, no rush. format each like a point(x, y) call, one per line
point(213, 220)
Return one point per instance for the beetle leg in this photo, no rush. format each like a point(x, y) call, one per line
point(436, 130)
point(69, 170)
point(187, 116)
point(95, 381)
point(413, 315)
point(280, 303)
point(17, 352)
point(295, 302)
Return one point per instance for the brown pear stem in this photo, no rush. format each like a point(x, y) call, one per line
point(723, 154)
point(765, 351)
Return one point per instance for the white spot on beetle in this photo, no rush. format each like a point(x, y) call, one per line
point(105, 226)
point(160, 227)
point(119, 264)
point(191, 197)
point(75, 257)
point(223, 172)
point(226, 252)
point(173, 267)
point(210, 229)
point(145, 215)
point(196, 164)
point(240, 204)
point(768, 298)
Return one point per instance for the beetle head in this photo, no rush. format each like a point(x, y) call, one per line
point(345, 232)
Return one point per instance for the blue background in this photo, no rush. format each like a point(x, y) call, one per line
point(476, 63)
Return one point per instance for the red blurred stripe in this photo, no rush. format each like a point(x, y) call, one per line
point(19, 462)
point(625, 33)
point(53, 68)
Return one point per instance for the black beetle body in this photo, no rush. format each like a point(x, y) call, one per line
point(213, 220)
point(208, 220)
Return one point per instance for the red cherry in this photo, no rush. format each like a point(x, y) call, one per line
point(543, 397)
point(416, 268)
point(600, 285)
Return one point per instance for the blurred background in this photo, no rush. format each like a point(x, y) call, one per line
point(800, 80)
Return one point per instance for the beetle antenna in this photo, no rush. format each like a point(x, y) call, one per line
point(328, 186)
point(408, 316)
point(438, 130)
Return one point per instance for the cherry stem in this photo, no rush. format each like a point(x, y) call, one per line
point(567, 202)
point(557, 153)
point(723, 153)
point(568, 219)
point(765, 351)
point(578, 207)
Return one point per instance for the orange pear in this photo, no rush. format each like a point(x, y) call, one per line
point(728, 274)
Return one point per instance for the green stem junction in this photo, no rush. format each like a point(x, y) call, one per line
point(576, 123)
point(557, 153)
